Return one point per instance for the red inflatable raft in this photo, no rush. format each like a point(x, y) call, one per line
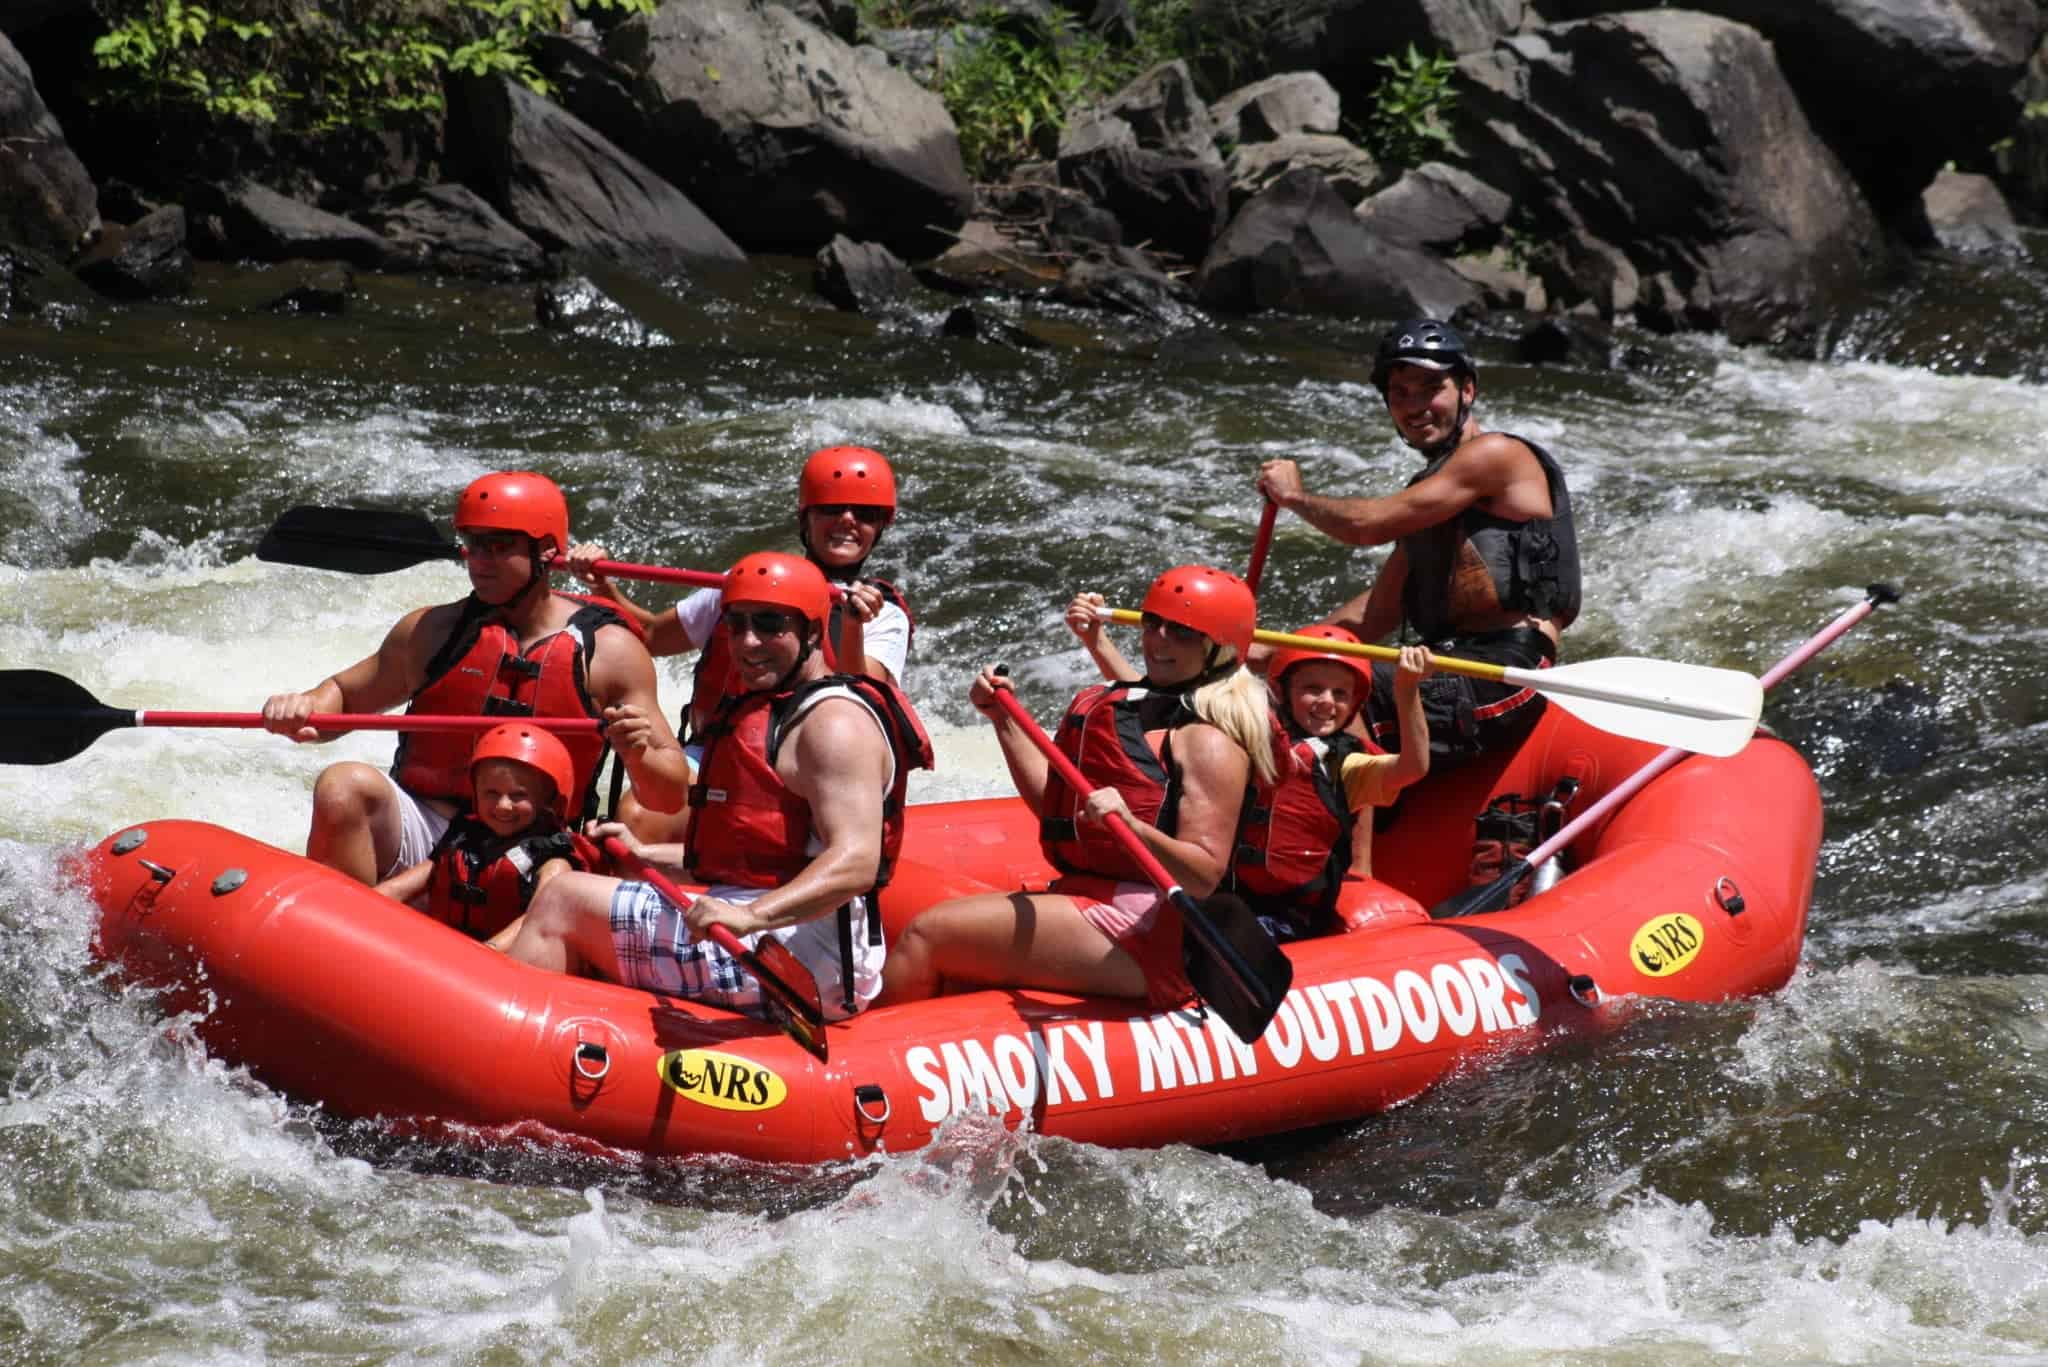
point(1696, 888)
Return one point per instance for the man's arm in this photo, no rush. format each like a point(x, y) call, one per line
point(836, 760)
point(375, 683)
point(1481, 469)
point(622, 682)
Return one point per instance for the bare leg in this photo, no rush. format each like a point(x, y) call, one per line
point(356, 822)
point(1015, 940)
point(568, 928)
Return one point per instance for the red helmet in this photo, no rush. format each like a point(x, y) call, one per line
point(516, 501)
point(1214, 602)
point(1287, 657)
point(787, 581)
point(524, 743)
point(847, 474)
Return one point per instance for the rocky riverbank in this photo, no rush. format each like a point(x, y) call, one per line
point(1741, 166)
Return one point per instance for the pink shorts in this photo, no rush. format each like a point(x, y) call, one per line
point(1139, 920)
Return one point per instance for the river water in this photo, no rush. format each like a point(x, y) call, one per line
point(1849, 1171)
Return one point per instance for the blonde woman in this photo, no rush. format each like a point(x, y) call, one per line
point(1172, 753)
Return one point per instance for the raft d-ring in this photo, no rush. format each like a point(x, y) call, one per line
point(591, 1049)
point(1728, 897)
point(158, 871)
point(865, 1096)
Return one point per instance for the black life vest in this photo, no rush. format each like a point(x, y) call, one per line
point(1534, 565)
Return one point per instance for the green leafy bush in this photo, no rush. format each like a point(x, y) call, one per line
point(1412, 107)
point(372, 64)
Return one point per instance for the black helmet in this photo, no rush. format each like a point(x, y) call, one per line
point(1424, 342)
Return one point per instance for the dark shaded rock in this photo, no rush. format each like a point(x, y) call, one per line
point(47, 201)
point(1562, 340)
point(980, 325)
point(986, 257)
point(146, 260)
point(1294, 102)
point(1298, 248)
point(452, 230)
point(863, 277)
point(1966, 213)
point(21, 16)
point(318, 289)
point(1171, 202)
point(565, 186)
point(34, 284)
point(1064, 219)
point(1164, 112)
point(785, 135)
point(244, 220)
point(1439, 207)
point(576, 306)
point(1663, 162)
point(840, 18)
point(1125, 282)
point(1350, 169)
point(1342, 39)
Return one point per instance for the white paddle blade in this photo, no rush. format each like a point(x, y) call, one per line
point(1694, 707)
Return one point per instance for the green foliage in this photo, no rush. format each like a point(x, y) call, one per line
point(1009, 96)
point(1412, 107)
point(378, 64)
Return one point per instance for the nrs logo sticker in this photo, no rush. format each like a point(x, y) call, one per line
point(1667, 944)
point(720, 1080)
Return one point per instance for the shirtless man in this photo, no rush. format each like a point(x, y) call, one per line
point(513, 648)
point(1485, 564)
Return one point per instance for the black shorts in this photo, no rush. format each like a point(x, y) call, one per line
point(1467, 717)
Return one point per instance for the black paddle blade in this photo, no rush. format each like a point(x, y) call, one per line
point(354, 540)
point(45, 718)
point(1235, 965)
point(1489, 897)
point(793, 991)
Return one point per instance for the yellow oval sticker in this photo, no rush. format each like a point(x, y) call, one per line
point(710, 1078)
point(1667, 944)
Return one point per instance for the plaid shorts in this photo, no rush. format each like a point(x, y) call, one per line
point(656, 953)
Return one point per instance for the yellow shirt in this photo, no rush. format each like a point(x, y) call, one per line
point(1368, 782)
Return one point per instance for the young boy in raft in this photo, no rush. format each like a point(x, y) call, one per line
point(1304, 855)
point(506, 843)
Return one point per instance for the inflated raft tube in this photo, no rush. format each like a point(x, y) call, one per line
point(1697, 888)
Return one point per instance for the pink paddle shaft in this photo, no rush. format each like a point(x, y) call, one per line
point(1635, 782)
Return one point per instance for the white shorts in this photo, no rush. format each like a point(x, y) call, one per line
point(420, 828)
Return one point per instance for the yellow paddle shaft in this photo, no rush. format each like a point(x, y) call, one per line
point(1475, 669)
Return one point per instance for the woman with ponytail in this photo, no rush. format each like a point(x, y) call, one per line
point(1173, 753)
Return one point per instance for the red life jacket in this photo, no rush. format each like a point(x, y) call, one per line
point(746, 826)
point(1295, 842)
point(483, 880)
point(1120, 736)
point(480, 670)
point(713, 680)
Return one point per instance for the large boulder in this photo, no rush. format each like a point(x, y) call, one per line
point(1175, 202)
point(144, 260)
point(563, 184)
point(1298, 248)
point(242, 220)
point(1293, 102)
point(1896, 88)
point(452, 230)
point(1664, 163)
point(1344, 38)
point(786, 135)
point(47, 201)
point(1349, 168)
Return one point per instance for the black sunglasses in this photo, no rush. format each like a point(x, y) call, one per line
point(1175, 632)
point(765, 622)
point(867, 514)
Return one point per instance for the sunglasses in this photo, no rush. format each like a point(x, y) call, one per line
point(494, 543)
point(763, 622)
point(867, 514)
point(1175, 632)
